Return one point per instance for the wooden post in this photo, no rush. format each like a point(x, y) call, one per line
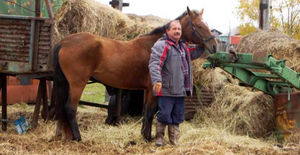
point(264, 17)
point(118, 4)
point(45, 110)
point(3, 83)
point(39, 99)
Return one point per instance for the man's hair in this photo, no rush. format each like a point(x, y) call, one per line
point(168, 25)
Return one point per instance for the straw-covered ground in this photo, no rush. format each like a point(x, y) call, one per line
point(98, 138)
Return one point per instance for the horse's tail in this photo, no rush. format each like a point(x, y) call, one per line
point(60, 87)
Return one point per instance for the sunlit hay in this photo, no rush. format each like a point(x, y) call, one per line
point(210, 78)
point(294, 138)
point(280, 45)
point(150, 20)
point(210, 140)
point(91, 16)
point(98, 138)
point(237, 109)
point(240, 111)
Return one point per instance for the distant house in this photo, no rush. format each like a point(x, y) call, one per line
point(216, 33)
point(228, 39)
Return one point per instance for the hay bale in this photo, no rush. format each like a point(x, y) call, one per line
point(243, 111)
point(237, 109)
point(210, 78)
point(240, 111)
point(90, 16)
point(150, 20)
point(280, 45)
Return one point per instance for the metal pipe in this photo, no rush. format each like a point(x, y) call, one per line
point(49, 9)
point(21, 17)
point(32, 28)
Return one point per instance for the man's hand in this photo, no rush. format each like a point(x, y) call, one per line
point(157, 87)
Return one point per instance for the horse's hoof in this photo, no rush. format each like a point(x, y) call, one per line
point(148, 138)
point(115, 121)
point(122, 120)
point(109, 121)
point(77, 139)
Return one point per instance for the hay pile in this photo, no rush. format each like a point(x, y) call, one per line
point(241, 111)
point(150, 20)
point(210, 78)
point(90, 16)
point(237, 109)
point(280, 45)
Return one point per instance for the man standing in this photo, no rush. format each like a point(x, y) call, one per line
point(172, 80)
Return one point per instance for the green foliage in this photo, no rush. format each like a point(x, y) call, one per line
point(248, 10)
point(247, 28)
point(284, 15)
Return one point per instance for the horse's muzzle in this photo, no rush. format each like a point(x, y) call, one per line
point(214, 49)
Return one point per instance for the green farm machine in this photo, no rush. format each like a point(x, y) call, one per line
point(263, 72)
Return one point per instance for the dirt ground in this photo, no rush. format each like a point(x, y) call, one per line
point(98, 138)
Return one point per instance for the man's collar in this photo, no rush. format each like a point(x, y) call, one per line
point(171, 41)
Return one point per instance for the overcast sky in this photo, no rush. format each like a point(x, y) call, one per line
point(218, 14)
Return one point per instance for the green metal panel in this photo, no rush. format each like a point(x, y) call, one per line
point(280, 79)
point(26, 7)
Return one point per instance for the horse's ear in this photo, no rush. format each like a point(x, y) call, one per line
point(189, 12)
point(201, 12)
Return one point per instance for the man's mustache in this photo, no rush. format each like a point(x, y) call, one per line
point(176, 33)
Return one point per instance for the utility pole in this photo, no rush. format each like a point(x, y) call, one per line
point(264, 14)
point(118, 4)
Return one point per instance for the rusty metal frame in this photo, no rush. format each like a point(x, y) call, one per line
point(31, 67)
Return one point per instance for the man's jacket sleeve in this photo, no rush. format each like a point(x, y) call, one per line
point(157, 59)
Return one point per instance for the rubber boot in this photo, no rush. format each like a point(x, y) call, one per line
point(160, 133)
point(174, 134)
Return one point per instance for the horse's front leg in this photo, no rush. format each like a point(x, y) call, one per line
point(150, 108)
point(114, 109)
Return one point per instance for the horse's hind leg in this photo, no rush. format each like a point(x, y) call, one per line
point(75, 92)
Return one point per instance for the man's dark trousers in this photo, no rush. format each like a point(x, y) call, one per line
point(170, 110)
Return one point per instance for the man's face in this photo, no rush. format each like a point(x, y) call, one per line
point(175, 31)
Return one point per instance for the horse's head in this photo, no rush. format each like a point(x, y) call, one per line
point(196, 31)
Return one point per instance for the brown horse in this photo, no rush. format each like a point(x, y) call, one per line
point(120, 64)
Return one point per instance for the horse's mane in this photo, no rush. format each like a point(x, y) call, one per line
point(163, 28)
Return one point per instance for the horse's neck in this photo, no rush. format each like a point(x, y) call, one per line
point(148, 41)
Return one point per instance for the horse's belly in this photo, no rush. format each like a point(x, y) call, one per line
point(122, 81)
